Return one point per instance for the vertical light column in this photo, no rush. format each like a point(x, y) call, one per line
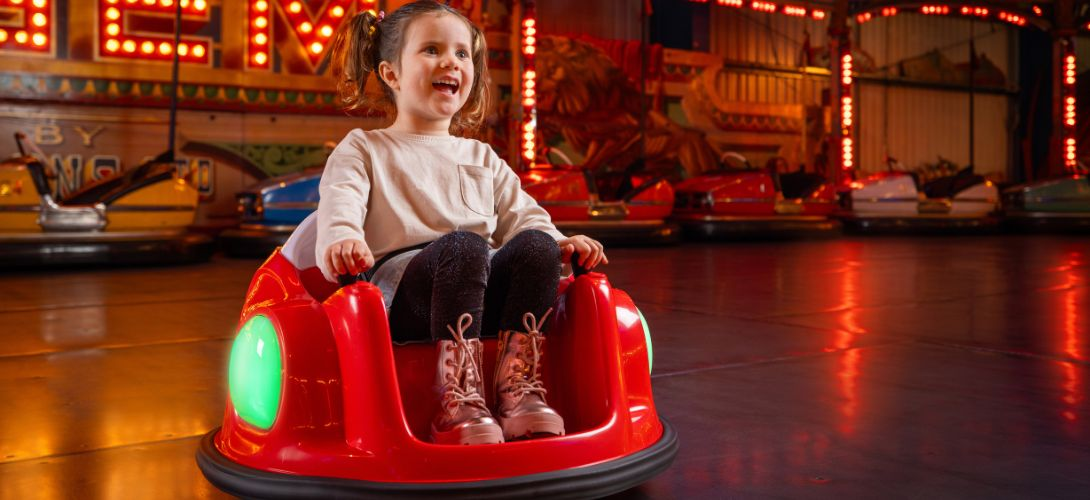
point(528, 84)
point(1067, 92)
point(846, 110)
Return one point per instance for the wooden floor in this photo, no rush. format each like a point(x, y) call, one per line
point(846, 368)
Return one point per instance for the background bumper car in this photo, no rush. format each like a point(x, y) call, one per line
point(1061, 204)
point(322, 403)
point(738, 201)
point(895, 202)
point(616, 208)
point(269, 211)
point(138, 216)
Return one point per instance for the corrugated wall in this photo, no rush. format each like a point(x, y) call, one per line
point(742, 35)
point(917, 125)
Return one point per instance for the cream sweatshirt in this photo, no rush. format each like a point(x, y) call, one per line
point(396, 190)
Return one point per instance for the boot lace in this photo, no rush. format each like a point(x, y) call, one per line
point(458, 390)
point(530, 381)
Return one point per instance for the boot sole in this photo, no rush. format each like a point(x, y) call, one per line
point(530, 425)
point(477, 434)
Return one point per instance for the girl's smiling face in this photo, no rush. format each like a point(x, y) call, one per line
point(434, 74)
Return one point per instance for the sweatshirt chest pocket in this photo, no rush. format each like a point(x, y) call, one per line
point(476, 186)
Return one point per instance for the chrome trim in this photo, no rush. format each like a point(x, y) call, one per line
point(292, 205)
point(53, 217)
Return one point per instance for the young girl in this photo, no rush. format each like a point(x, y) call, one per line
point(419, 212)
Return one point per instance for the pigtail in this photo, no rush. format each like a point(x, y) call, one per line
point(354, 56)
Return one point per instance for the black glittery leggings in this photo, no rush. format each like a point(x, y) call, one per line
point(453, 275)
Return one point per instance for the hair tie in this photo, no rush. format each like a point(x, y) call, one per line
point(381, 16)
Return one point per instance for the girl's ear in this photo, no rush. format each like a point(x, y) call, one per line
point(388, 74)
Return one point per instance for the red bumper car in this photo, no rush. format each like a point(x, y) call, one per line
point(614, 208)
point(740, 201)
point(322, 403)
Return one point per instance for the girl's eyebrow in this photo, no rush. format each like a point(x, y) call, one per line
point(458, 45)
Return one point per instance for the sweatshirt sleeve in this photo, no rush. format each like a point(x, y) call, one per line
point(516, 211)
point(344, 191)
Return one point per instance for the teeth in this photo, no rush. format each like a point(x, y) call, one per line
point(447, 82)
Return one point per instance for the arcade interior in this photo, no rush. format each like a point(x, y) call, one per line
point(848, 243)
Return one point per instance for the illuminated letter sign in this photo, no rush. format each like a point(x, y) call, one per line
point(313, 32)
point(26, 26)
point(143, 29)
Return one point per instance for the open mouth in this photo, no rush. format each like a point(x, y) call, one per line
point(445, 86)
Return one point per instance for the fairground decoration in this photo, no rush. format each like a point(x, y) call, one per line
point(26, 26)
point(787, 9)
point(991, 13)
point(529, 82)
point(1067, 92)
point(314, 32)
point(847, 148)
point(144, 30)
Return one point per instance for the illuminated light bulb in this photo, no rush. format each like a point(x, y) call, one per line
point(183, 49)
point(165, 48)
point(198, 51)
point(41, 3)
point(531, 31)
point(295, 7)
point(528, 126)
point(316, 47)
point(261, 21)
point(112, 13)
point(147, 47)
point(261, 39)
point(149, 2)
point(262, 6)
point(529, 49)
point(260, 58)
point(39, 39)
point(529, 136)
point(184, 3)
point(16, 2)
point(200, 5)
point(112, 45)
point(529, 84)
point(39, 19)
point(529, 155)
point(529, 101)
point(847, 80)
point(167, 3)
point(529, 23)
point(528, 92)
point(326, 31)
point(337, 11)
point(113, 29)
point(20, 36)
point(531, 40)
point(129, 46)
point(306, 27)
point(530, 75)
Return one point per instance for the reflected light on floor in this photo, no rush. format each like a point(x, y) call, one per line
point(849, 329)
point(1073, 319)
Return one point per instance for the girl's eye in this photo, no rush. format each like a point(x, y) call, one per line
point(431, 50)
point(463, 54)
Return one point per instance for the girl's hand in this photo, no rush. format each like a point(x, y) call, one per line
point(591, 253)
point(349, 257)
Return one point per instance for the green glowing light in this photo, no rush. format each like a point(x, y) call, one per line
point(647, 337)
point(253, 375)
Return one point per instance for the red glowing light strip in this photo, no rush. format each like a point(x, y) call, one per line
point(730, 3)
point(114, 42)
point(1014, 19)
point(35, 34)
point(259, 34)
point(935, 10)
point(1067, 91)
point(529, 84)
point(763, 6)
point(771, 7)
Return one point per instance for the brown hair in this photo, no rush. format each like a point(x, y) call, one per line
point(365, 41)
